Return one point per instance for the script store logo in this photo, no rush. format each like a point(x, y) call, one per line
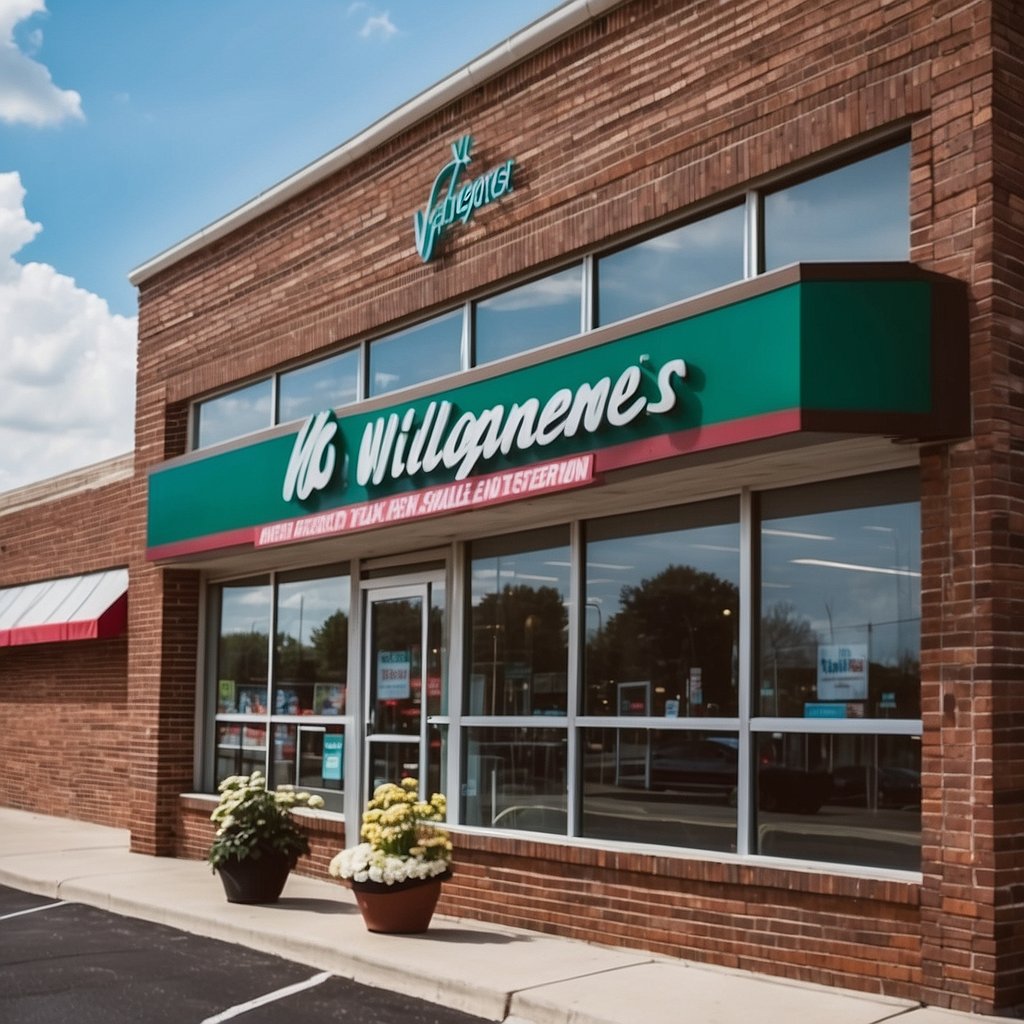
point(444, 208)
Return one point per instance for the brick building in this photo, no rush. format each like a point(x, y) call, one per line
point(625, 436)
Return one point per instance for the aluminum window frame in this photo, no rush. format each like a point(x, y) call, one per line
point(750, 197)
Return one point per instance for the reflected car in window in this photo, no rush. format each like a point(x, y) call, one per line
point(896, 787)
point(708, 768)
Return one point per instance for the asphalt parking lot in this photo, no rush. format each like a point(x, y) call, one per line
point(67, 962)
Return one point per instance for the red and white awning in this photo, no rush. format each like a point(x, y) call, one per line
point(73, 608)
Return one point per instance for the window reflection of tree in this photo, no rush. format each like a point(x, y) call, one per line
point(519, 646)
point(789, 673)
point(666, 627)
point(789, 645)
point(243, 657)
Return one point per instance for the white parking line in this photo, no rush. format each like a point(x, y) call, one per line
point(32, 910)
point(270, 997)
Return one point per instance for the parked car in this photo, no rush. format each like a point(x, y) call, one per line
point(696, 766)
point(895, 786)
point(708, 767)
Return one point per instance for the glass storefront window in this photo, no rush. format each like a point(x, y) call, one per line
point(533, 314)
point(860, 211)
point(518, 628)
point(675, 265)
point(396, 667)
point(241, 749)
point(308, 756)
point(661, 787)
point(848, 799)
point(311, 646)
point(659, 639)
point(327, 384)
point(392, 762)
point(428, 350)
point(238, 412)
point(243, 649)
point(293, 695)
point(515, 778)
point(437, 660)
point(662, 613)
point(841, 600)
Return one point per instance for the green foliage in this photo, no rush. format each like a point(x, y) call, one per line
point(254, 820)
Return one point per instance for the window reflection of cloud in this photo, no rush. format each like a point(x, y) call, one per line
point(860, 211)
point(325, 385)
point(245, 611)
point(241, 412)
point(549, 291)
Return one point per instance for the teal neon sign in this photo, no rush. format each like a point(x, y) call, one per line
point(459, 203)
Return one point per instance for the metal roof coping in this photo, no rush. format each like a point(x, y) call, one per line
point(516, 48)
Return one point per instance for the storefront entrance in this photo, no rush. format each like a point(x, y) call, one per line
point(404, 669)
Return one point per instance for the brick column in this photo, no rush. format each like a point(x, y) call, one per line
point(973, 517)
point(163, 645)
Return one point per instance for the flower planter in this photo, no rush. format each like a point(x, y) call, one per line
point(404, 908)
point(255, 879)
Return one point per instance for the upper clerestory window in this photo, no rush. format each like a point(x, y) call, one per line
point(859, 211)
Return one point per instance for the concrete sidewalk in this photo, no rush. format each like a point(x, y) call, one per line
point(501, 974)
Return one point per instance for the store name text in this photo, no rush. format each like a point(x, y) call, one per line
point(396, 445)
point(441, 212)
point(313, 459)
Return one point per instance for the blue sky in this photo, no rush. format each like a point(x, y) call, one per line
point(126, 126)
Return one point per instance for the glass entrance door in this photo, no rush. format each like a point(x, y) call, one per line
point(404, 673)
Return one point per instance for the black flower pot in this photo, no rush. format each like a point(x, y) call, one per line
point(255, 879)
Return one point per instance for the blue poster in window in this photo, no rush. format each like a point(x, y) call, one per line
point(334, 748)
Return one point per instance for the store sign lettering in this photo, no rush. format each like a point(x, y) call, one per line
point(480, 492)
point(442, 211)
point(314, 457)
point(398, 445)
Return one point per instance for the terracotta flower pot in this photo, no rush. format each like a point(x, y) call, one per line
point(255, 879)
point(404, 908)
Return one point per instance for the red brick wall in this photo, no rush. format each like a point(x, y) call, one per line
point(641, 114)
point(62, 745)
point(970, 225)
point(1005, 504)
point(163, 654)
point(63, 706)
point(852, 932)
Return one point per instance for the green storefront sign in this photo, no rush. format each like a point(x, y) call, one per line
point(819, 349)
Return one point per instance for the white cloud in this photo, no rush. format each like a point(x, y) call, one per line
point(378, 26)
point(27, 92)
point(67, 364)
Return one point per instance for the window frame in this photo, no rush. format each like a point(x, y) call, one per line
point(270, 718)
point(749, 728)
point(751, 197)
